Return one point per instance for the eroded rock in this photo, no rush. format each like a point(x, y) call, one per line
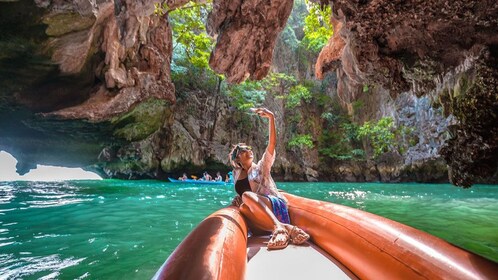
point(472, 151)
point(112, 55)
point(121, 50)
point(246, 32)
point(423, 47)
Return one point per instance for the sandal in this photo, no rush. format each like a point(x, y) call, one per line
point(298, 236)
point(273, 240)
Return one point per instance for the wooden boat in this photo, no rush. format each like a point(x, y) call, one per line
point(345, 243)
point(191, 181)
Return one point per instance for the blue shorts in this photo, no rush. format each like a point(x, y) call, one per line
point(279, 209)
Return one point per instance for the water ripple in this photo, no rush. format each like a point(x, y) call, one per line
point(16, 268)
point(78, 230)
point(56, 202)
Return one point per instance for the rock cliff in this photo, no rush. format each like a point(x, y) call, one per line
point(444, 50)
point(88, 83)
point(85, 60)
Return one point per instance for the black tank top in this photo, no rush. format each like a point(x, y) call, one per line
point(242, 186)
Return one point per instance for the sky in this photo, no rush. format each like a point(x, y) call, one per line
point(42, 172)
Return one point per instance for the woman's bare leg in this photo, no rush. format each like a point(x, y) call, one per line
point(258, 210)
point(257, 226)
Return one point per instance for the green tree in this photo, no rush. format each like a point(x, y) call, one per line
point(339, 140)
point(381, 134)
point(248, 94)
point(296, 94)
point(301, 141)
point(253, 93)
point(189, 31)
point(317, 27)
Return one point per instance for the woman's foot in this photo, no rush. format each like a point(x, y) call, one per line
point(297, 236)
point(279, 239)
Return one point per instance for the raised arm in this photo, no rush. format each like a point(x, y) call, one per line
point(272, 135)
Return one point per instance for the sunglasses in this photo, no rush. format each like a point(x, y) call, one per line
point(240, 149)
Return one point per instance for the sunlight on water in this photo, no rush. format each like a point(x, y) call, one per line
point(114, 229)
point(35, 266)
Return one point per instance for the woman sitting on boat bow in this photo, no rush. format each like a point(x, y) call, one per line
point(259, 200)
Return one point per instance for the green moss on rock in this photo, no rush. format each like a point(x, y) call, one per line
point(145, 119)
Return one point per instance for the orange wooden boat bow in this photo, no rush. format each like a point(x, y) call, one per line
point(370, 246)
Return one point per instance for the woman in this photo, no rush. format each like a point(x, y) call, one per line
point(258, 197)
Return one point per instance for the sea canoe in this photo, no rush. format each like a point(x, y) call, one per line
point(191, 181)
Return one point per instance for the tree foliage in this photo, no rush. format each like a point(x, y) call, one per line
point(317, 27)
point(288, 36)
point(340, 141)
point(296, 94)
point(252, 93)
point(381, 134)
point(301, 141)
point(189, 32)
point(248, 94)
point(279, 81)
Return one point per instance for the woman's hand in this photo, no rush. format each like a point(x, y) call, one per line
point(272, 135)
point(263, 112)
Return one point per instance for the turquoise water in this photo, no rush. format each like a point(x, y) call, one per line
point(116, 229)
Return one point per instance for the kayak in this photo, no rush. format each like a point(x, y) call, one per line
point(345, 243)
point(191, 181)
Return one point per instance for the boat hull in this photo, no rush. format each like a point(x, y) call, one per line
point(367, 245)
point(215, 249)
point(374, 247)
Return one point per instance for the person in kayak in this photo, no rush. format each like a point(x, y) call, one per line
point(218, 177)
point(259, 200)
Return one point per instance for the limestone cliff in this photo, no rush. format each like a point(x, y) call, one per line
point(444, 50)
point(88, 83)
point(90, 60)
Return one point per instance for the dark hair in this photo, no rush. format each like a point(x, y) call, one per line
point(234, 153)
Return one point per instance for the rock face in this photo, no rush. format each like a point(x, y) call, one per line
point(34, 140)
point(88, 83)
point(246, 34)
point(445, 50)
point(417, 156)
point(91, 61)
point(107, 60)
point(137, 49)
point(472, 151)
